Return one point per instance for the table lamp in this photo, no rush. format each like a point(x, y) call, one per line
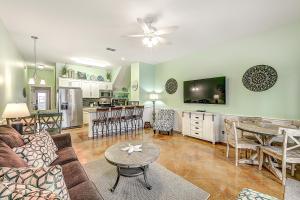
point(153, 97)
point(16, 111)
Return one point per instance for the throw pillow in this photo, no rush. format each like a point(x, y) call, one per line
point(10, 190)
point(36, 153)
point(48, 178)
point(45, 136)
point(10, 136)
point(8, 158)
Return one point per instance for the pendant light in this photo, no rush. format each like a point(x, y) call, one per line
point(33, 79)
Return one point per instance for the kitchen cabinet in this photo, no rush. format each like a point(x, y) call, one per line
point(86, 118)
point(86, 89)
point(90, 89)
point(94, 89)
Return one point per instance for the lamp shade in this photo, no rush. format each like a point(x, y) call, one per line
point(153, 96)
point(15, 110)
point(31, 81)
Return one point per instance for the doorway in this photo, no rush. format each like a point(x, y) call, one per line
point(41, 98)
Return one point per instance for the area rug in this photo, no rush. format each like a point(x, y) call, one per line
point(165, 184)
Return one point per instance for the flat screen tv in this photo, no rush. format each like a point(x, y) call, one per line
point(205, 91)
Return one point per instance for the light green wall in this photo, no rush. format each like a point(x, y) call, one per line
point(12, 76)
point(147, 81)
point(144, 74)
point(135, 76)
point(279, 49)
point(49, 76)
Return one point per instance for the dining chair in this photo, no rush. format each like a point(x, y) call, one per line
point(114, 121)
point(249, 120)
point(236, 140)
point(288, 153)
point(101, 122)
point(50, 122)
point(128, 118)
point(138, 116)
point(29, 124)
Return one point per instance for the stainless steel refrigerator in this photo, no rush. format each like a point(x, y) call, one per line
point(70, 104)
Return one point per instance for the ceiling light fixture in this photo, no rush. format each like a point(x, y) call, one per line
point(90, 62)
point(32, 80)
point(123, 58)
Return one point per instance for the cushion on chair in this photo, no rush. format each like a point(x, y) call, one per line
point(65, 155)
point(74, 174)
point(248, 194)
point(165, 120)
point(8, 158)
point(10, 136)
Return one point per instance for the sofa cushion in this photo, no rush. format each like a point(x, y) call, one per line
point(8, 158)
point(44, 135)
point(10, 136)
point(65, 155)
point(86, 191)
point(11, 190)
point(37, 153)
point(74, 174)
point(48, 178)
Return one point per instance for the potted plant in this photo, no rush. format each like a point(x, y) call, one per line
point(64, 72)
point(108, 76)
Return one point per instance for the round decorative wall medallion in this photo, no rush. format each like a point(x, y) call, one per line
point(260, 78)
point(135, 85)
point(171, 86)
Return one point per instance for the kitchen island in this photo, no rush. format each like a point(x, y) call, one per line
point(91, 115)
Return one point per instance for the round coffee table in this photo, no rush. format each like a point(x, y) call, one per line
point(134, 164)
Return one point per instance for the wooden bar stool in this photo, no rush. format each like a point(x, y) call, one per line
point(115, 119)
point(100, 122)
point(128, 118)
point(138, 116)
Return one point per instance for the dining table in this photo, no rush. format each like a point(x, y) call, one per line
point(263, 133)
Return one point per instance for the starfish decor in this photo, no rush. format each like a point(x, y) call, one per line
point(132, 148)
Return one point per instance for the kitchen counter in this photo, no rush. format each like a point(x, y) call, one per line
point(94, 109)
point(90, 115)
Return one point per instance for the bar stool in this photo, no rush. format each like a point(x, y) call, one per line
point(100, 122)
point(115, 119)
point(128, 118)
point(138, 116)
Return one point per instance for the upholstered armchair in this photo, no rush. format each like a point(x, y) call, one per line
point(164, 121)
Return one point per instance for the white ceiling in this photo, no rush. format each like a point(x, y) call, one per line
point(84, 28)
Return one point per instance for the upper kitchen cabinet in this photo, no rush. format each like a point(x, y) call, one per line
point(90, 89)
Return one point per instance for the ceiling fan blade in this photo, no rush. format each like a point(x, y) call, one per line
point(136, 35)
point(143, 25)
point(166, 30)
point(164, 41)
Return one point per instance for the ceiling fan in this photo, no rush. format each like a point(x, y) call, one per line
point(152, 36)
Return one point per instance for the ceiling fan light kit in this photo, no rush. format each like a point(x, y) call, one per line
point(152, 36)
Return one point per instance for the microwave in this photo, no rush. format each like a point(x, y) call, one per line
point(106, 94)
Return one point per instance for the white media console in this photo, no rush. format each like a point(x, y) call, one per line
point(202, 125)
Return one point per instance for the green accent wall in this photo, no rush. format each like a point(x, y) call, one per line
point(12, 76)
point(49, 76)
point(143, 73)
point(278, 48)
